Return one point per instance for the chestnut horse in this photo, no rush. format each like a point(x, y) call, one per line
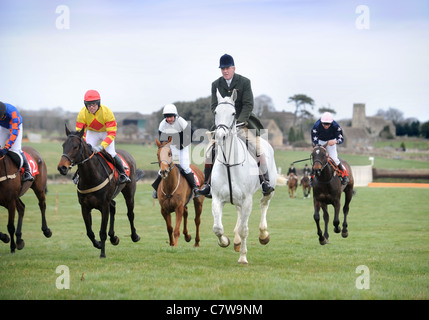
point(327, 189)
point(174, 193)
point(11, 189)
point(292, 184)
point(306, 188)
point(97, 186)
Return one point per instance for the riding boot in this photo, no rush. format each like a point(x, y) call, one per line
point(191, 180)
point(345, 176)
point(263, 176)
point(155, 185)
point(206, 190)
point(26, 176)
point(208, 166)
point(123, 178)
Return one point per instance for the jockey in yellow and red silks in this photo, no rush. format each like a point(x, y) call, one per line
point(100, 126)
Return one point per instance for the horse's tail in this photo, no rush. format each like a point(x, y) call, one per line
point(139, 174)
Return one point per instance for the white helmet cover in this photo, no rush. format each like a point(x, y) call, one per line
point(170, 109)
point(327, 117)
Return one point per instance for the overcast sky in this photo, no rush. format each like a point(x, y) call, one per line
point(141, 55)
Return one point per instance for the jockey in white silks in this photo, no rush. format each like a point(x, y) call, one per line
point(178, 128)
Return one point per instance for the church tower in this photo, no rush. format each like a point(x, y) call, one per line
point(359, 117)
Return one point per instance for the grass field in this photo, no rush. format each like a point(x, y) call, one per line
point(388, 233)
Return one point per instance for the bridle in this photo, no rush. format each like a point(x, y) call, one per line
point(72, 162)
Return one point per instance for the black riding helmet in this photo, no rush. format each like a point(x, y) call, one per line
point(2, 109)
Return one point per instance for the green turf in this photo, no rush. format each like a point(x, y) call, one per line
point(387, 233)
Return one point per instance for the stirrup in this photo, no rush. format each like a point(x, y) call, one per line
point(155, 194)
point(266, 188)
point(26, 176)
point(123, 178)
point(206, 191)
point(345, 180)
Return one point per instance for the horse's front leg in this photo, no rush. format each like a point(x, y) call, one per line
point(337, 207)
point(185, 225)
point(316, 217)
point(237, 239)
point(264, 236)
point(103, 228)
point(179, 215)
point(20, 206)
point(167, 217)
point(243, 228)
point(217, 207)
point(113, 239)
point(11, 225)
point(86, 215)
point(345, 232)
point(326, 220)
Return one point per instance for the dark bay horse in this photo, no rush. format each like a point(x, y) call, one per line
point(327, 189)
point(97, 186)
point(11, 189)
point(292, 184)
point(174, 193)
point(306, 188)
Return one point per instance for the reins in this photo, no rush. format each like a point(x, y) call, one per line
point(7, 176)
point(171, 166)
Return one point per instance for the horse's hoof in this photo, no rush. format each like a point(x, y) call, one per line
point(337, 230)
point(114, 240)
point(264, 241)
point(237, 247)
point(188, 238)
point(224, 244)
point(102, 256)
point(242, 260)
point(5, 238)
point(47, 233)
point(323, 242)
point(135, 238)
point(20, 244)
point(345, 234)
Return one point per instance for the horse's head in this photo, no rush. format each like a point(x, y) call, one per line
point(225, 116)
point(319, 157)
point(73, 150)
point(165, 157)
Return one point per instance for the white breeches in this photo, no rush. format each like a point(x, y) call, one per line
point(332, 151)
point(182, 156)
point(95, 138)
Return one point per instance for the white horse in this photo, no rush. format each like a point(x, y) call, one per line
point(235, 178)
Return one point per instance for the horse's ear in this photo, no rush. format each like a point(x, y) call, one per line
point(324, 146)
point(170, 138)
point(67, 129)
point(157, 142)
point(81, 132)
point(218, 95)
point(234, 95)
point(314, 145)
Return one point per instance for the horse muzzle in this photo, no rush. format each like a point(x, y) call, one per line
point(63, 170)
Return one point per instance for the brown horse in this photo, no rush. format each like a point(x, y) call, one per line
point(306, 187)
point(174, 193)
point(11, 189)
point(97, 186)
point(327, 189)
point(292, 184)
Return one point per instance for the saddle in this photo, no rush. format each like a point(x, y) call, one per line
point(340, 173)
point(16, 158)
point(182, 172)
point(110, 162)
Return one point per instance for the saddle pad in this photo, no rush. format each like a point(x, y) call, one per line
point(124, 163)
point(197, 181)
point(34, 168)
